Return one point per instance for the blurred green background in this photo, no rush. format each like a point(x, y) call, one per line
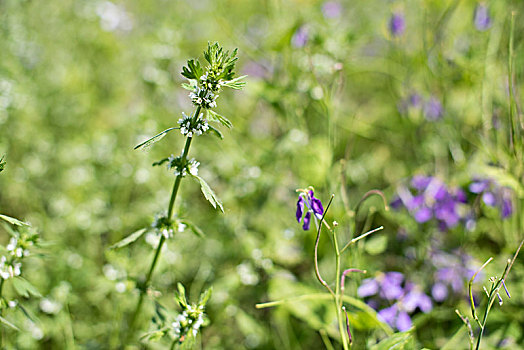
point(82, 82)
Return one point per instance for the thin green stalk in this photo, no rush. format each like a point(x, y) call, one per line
point(338, 299)
point(170, 210)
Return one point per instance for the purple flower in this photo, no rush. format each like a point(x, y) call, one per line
point(397, 24)
point(433, 109)
point(420, 182)
point(423, 215)
point(489, 198)
point(331, 9)
point(481, 18)
point(507, 207)
point(416, 299)
point(479, 186)
point(300, 38)
point(415, 100)
point(395, 317)
point(307, 201)
point(439, 292)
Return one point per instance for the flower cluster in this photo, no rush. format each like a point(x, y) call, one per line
point(452, 273)
point(430, 198)
point(402, 299)
point(431, 107)
point(182, 168)
point(188, 322)
point(17, 249)
point(191, 128)
point(307, 202)
point(493, 195)
point(163, 225)
point(205, 97)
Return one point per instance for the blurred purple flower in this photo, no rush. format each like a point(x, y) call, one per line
point(307, 202)
point(433, 109)
point(439, 292)
point(415, 100)
point(397, 24)
point(493, 195)
point(395, 317)
point(481, 18)
point(331, 9)
point(301, 37)
point(416, 299)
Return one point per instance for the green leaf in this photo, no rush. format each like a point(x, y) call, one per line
point(204, 297)
point(24, 288)
point(188, 87)
point(236, 83)
point(8, 324)
point(160, 162)
point(155, 335)
point(195, 229)
point(376, 244)
point(13, 221)
point(397, 341)
point(154, 139)
point(2, 164)
point(215, 132)
point(215, 117)
point(129, 239)
point(181, 295)
point(209, 194)
point(193, 70)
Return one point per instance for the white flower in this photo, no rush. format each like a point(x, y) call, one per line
point(12, 244)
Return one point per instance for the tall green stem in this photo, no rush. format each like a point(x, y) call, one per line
point(170, 210)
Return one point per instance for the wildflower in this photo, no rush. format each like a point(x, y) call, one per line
point(300, 38)
point(307, 200)
point(189, 128)
point(331, 9)
point(163, 225)
point(481, 18)
point(493, 195)
point(9, 269)
point(433, 109)
point(397, 24)
point(204, 97)
point(181, 168)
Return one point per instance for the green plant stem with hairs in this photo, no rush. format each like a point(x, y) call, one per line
point(149, 275)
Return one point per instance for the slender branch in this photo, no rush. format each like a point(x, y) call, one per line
point(356, 239)
point(317, 271)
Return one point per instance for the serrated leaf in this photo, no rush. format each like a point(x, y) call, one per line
point(397, 341)
point(195, 229)
point(215, 132)
point(13, 221)
point(24, 288)
point(213, 116)
point(154, 139)
point(209, 194)
point(193, 70)
point(9, 324)
point(129, 239)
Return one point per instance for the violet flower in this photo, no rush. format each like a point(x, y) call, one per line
point(387, 288)
point(433, 109)
point(331, 9)
point(397, 24)
point(481, 18)
point(300, 38)
point(308, 203)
